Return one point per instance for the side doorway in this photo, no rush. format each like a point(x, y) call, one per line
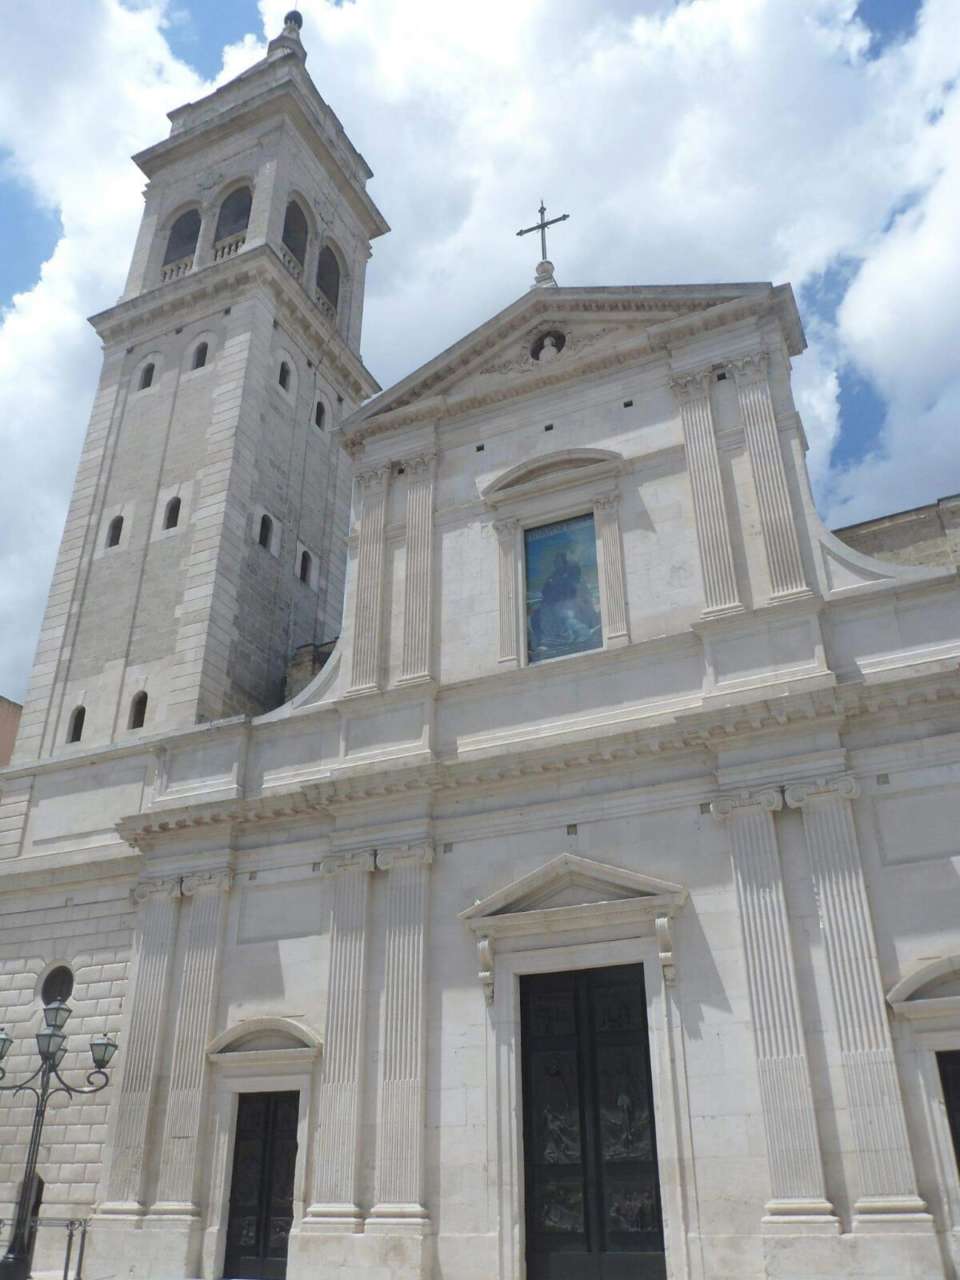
point(261, 1187)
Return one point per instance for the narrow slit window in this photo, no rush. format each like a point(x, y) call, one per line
point(306, 566)
point(265, 535)
point(77, 717)
point(138, 710)
point(171, 516)
point(318, 415)
point(146, 376)
point(284, 377)
point(114, 531)
point(200, 355)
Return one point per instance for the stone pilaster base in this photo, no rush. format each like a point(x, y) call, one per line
point(143, 1247)
point(405, 1255)
point(889, 1255)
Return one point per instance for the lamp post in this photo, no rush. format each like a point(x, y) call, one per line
point(45, 1083)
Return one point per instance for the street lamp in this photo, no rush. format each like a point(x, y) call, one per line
point(52, 1047)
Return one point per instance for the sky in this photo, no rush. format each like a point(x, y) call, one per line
point(809, 141)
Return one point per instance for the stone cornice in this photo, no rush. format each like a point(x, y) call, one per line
point(422, 396)
point(220, 283)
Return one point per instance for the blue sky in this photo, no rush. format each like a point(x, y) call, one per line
point(810, 141)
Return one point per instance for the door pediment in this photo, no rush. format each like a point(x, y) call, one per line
point(570, 893)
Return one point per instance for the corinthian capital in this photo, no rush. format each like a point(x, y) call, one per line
point(419, 464)
point(766, 800)
point(372, 477)
point(841, 786)
point(691, 384)
point(751, 367)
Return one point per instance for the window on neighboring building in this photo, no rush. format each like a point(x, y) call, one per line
point(265, 536)
point(234, 214)
point(57, 985)
point(328, 276)
point(182, 241)
point(146, 376)
point(200, 355)
point(171, 515)
point(75, 729)
point(284, 376)
point(562, 589)
point(949, 1064)
point(138, 710)
point(319, 414)
point(114, 530)
point(295, 231)
point(306, 566)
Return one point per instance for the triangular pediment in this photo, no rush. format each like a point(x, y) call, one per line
point(570, 881)
point(550, 336)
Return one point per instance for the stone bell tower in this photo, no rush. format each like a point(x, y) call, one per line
point(206, 535)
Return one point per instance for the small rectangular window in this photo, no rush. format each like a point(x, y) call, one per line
point(562, 589)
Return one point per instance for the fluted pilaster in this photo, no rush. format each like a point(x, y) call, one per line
point(207, 893)
point(709, 505)
point(368, 608)
point(400, 1120)
point(506, 531)
point(888, 1185)
point(786, 1095)
point(777, 522)
point(417, 610)
point(159, 903)
point(606, 515)
point(334, 1204)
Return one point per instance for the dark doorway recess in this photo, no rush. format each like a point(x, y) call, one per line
point(590, 1155)
point(261, 1191)
point(949, 1064)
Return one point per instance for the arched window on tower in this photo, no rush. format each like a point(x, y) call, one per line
point(265, 536)
point(171, 514)
point(328, 276)
point(295, 231)
point(284, 376)
point(182, 240)
point(75, 728)
point(200, 355)
point(138, 710)
point(232, 221)
point(114, 530)
point(146, 376)
point(306, 567)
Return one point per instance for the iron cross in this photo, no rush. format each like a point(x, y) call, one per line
point(541, 226)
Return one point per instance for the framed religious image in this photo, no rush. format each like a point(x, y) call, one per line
point(562, 589)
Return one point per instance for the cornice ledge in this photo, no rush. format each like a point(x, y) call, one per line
point(144, 831)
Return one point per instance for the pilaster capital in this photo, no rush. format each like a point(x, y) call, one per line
point(372, 478)
point(690, 384)
point(765, 800)
point(355, 860)
point(507, 527)
point(216, 880)
point(841, 787)
point(419, 464)
point(749, 368)
point(155, 890)
point(606, 503)
point(404, 855)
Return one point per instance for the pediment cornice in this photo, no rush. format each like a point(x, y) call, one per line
point(220, 283)
point(609, 328)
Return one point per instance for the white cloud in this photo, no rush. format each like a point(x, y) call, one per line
point(749, 139)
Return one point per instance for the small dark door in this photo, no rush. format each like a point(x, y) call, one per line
point(949, 1064)
point(590, 1155)
point(261, 1191)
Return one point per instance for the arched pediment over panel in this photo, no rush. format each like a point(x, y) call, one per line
point(556, 470)
point(931, 990)
point(574, 895)
point(256, 1039)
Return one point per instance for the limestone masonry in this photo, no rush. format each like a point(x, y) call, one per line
point(592, 907)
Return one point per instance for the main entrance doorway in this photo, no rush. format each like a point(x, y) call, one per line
point(261, 1191)
point(590, 1155)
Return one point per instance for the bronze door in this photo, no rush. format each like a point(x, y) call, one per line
point(261, 1192)
point(590, 1156)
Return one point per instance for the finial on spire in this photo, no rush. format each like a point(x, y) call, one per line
point(288, 41)
point(544, 277)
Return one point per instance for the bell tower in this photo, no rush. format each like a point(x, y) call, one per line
point(206, 535)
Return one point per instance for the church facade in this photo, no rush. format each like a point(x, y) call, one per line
point(593, 909)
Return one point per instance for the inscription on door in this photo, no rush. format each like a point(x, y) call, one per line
point(261, 1190)
point(590, 1158)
